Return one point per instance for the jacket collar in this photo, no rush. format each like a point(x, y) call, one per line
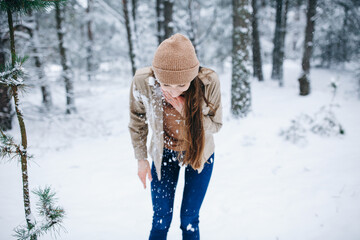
point(204, 75)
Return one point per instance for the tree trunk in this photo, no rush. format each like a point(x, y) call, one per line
point(308, 45)
point(67, 74)
point(25, 179)
point(297, 20)
point(191, 30)
point(89, 43)
point(257, 64)
point(160, 20)
point(164, 12)
point(279, 40)
point(263, 3)
point(45, 89)
point(240, 85)
point(168, 20)
point(5, 98)
point(345, 38)
point(282, 47)
point(129, 38)
point(134, 4)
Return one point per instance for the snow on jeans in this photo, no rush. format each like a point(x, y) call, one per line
point(163, 192)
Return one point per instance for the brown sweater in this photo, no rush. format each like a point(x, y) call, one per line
point(174, 125)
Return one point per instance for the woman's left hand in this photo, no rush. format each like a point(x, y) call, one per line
point(176, 102)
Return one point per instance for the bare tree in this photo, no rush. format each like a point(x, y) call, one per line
point(198, 28)
point(134, 5)
point(34, 34)
point(308, 46)
point(191, 30)
point(298, 4)
point(240, 85)
point(67, 73)
point(279, 40)
point(160, 20)
point(129, 36)
point(164, 16)
point(168, 18)
point(5, 98)
point(256, 50)
point(89, 43)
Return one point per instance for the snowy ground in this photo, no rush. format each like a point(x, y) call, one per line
point(262, 187)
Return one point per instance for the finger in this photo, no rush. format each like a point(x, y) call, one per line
point(149, 175)
point(142, 179)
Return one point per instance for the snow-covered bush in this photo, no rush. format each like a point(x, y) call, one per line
point(323, 122)
point(296, 133)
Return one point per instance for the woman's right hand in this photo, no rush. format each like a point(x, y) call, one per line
point(143, 170)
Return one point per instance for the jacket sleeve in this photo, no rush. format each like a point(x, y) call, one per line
point(138, 126)
point(213, 121)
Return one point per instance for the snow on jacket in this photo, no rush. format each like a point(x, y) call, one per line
point(146, 108)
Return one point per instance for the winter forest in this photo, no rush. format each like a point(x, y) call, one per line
point(290, 87)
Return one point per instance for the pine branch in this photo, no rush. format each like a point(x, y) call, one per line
point(23, 6)
point(53, 216)
point(13, 76)
point(46, 205)
point(9, 149)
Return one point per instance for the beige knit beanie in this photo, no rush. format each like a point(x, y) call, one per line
point(175, 61)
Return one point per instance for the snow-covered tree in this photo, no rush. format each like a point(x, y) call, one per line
point(129, 35)
point(6, 112)
point(279, 40)
point(11, 76)
point(67, 73)
point(164, 17)
point(32, 27)
point(308, 46)
point(256, 49)
point(240, 83)
point(338, 32)
point(90, 67)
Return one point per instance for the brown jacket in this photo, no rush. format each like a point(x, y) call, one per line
point(146, 108)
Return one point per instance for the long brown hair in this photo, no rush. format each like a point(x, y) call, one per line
point(194, 129)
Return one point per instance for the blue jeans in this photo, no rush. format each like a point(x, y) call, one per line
point(163, 192)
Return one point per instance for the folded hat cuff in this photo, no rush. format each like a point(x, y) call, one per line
point(176, 77)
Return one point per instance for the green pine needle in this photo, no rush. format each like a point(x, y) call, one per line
point(8, 149)
point(23, 6)
point(13, 76)
point(46, 206)
point(53, 216)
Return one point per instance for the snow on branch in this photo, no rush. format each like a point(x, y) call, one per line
point(52, 216)
point(9, 149)
point(13, 75)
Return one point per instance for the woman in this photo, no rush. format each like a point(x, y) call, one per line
point(182, 103)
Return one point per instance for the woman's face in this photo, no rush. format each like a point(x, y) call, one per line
point(175, 90)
